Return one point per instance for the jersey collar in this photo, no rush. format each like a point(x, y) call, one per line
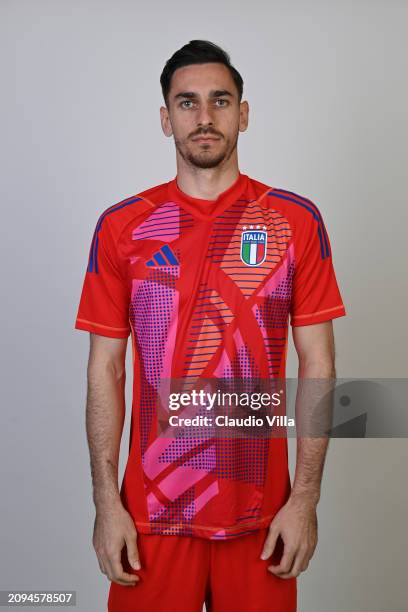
point(208, 209)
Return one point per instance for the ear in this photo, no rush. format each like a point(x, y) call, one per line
point(165, 121)
point(243, 116)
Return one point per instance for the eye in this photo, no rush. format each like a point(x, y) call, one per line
point(223, 100)
point(183, 102)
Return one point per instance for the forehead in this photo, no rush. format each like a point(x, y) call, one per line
point(202, 78)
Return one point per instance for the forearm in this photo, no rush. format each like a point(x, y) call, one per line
point(313, 409)
point(105, 413)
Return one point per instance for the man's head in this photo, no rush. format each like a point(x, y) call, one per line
point(202, 92)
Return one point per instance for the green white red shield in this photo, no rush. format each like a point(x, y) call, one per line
point(253, 247)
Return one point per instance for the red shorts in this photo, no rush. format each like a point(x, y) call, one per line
point(181, 573)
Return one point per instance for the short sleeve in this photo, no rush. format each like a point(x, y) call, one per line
point(316, 296)
point(104, 303)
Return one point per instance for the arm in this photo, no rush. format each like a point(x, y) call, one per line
point(315, 347)
point(296, 522)
point(105, 414)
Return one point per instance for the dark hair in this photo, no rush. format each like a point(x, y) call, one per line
point(198, 52)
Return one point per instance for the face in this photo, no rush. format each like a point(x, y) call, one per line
point(204, 114)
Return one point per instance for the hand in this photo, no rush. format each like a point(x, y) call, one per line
point(296, 523)
point(113, 528)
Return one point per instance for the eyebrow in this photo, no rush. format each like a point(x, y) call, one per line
point(215, 93)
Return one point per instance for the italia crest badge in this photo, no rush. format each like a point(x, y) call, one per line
point(253, 244)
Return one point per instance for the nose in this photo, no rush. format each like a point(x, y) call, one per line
point(204, 116)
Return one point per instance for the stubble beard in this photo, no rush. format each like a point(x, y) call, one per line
point(205, 159)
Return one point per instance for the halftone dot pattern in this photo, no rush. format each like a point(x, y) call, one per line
point(203, 459)
point(242, 366)
point(272, 317)
point(274, 311)
point(158, 514)
point(150, 315)
point(242, 459)
point(275, 349)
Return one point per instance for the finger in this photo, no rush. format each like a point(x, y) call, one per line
point(117, 574)
point(300, 564)
point(286, 576)
point(270, 543)
point(286, 562)
point(296, 567)
point(132, 552)
point(303, 561)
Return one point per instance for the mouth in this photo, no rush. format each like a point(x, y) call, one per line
point(205, 139)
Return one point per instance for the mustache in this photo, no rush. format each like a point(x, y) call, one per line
point(209, 132)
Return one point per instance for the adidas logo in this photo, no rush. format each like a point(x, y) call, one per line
point(163, 257)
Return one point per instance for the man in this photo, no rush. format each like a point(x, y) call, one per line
point(204, 271)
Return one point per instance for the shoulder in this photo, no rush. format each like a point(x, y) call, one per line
point(298, 208)
point(132, 209)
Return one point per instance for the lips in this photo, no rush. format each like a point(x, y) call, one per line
point(205, 139)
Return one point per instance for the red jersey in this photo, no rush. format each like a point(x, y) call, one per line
point(206, 288)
